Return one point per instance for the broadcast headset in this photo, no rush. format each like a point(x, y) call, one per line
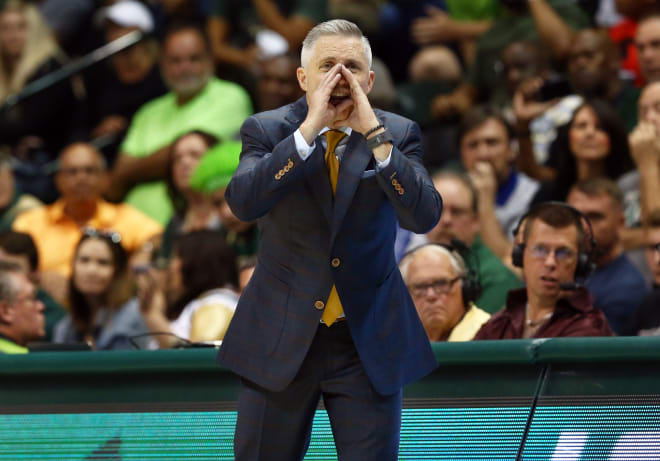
point(585, 265)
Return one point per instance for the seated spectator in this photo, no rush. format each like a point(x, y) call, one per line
point(593, 144)
point(277, 84)
point(196, 299)
point(616, 285)
point(196, 101)
point(118, 87)
point(193, 210)
point(552, 239)
point(645, 321)
point(550, 22)
point(21, 314)
point(486, 143)
point(593, 71)
point(104, 311)
point(12, 201)
point(443, 292)
point(646, 42)
point(19, 248)
point(39, 126)
point(645, 150)
point(460, 221)
point(542, 105)
point(55, 228)
point(211, 177)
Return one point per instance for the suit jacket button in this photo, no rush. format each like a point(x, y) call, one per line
point(319, 305)
point(335, 262)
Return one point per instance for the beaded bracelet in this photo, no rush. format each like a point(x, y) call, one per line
point(373, 130)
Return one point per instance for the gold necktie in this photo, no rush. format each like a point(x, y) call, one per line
point(333, 307)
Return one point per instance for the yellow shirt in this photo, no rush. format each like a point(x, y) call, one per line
point(56, 235)
point(469, 325)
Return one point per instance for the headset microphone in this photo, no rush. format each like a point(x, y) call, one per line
point(570, 286)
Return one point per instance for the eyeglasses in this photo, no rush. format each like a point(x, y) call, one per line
point(562, 254)
point(114, 237)
point(439, 287)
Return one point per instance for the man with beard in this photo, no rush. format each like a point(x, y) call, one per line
point(616, 285)
point(552, 250)
point(196, 101)
point(326, 313)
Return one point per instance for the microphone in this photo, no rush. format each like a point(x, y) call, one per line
point(570, 286)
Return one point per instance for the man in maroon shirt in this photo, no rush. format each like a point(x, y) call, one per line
point(551, 305)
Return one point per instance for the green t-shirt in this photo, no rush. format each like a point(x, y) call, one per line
point(219, 109)
point(496, 279)
point(9, 347)
point(473, 10)
point(508, 28)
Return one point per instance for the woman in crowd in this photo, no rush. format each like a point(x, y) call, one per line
point(196, 298)
point(38, 127)
point(594, 143)
point(103, 309)
point(193, 209)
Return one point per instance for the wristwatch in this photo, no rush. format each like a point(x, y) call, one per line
point(380, 138)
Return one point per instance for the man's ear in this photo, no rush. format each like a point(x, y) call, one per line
point(302, 78)
point(6, 313)
point(372, 77)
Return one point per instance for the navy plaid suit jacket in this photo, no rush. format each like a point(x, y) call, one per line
point(302, 229)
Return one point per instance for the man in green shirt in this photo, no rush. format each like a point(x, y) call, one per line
point(21, 314)
point(197, 100)
point(460, 221)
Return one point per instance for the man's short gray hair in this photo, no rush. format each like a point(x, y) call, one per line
point(7, 286)
point(334, 27)
point(455, 259)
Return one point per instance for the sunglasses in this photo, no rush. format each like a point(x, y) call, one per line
point(114, 237)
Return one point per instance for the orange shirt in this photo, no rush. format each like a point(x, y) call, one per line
point(56, 235)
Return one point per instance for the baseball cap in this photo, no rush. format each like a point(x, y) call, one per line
point(128, 13)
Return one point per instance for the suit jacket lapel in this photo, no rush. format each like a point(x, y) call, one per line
point(316, 173)
point(354, 161)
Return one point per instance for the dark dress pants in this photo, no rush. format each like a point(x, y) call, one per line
point(277, 425)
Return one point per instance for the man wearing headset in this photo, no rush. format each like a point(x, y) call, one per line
point(553, 250)
point(443, 291)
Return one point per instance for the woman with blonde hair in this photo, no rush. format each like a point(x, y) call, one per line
point(39, 126)
point(26, 44)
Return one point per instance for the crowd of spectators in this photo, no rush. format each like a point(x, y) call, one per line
point(119, 127)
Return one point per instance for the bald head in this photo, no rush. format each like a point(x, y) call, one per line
point(81, 173)
point(593, 62)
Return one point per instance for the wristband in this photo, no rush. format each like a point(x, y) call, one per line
point(373, 130)
point(379, 139)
